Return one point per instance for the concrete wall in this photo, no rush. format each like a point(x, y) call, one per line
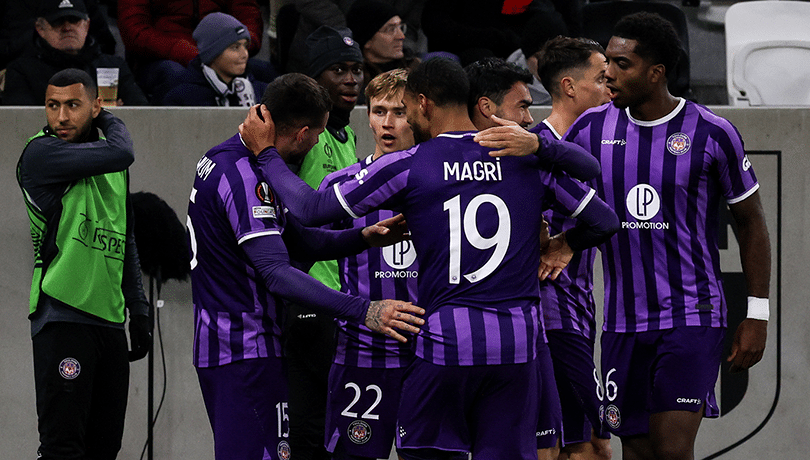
point(772, 411)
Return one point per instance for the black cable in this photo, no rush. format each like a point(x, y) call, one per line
point(163, 363)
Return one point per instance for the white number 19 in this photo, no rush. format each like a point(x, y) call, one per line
point(469, 228)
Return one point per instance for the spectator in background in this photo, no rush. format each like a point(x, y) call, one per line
point(158, 38)
point(217, 76)
point(311, 14)
point(537, 32)
point(62, 42)
point(380, 32)
point(17, 26)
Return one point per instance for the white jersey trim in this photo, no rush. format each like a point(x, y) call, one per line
point(744, 195)
point(343, 202)
point(584, 203)
point(661, 120)
point(456, 136)
point(553, 131)
point(256, 235)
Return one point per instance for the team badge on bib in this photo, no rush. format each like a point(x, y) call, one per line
point(359, 432)
point(612, 416)
point(69, 368)
point(283, 450)
point(678, 144)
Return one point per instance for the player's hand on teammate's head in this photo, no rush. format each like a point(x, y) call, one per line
point(387, 232)
point(509, 138)
point(555, 257)
point(748, 345)
point(385, 315)
point(258, 130)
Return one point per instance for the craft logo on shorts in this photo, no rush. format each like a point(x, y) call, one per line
point(359, 432)
point(348, 41)
point(612, 416)
point(69, 368)
point(283, 450)
point(678, 143)
point(602, 412)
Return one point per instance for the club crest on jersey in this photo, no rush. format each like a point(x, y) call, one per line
point(348, 41)
point(359, 432)
point(283, 450)
point(678, 144)
point(70, 368)
point(612, 416)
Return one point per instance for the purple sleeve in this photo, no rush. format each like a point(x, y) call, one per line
point(597, 222)
point(311, 207)
point(269, 256)
point(569, 157)
point(318, 243)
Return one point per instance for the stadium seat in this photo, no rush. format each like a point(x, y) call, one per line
point(768, 53)
point(599, 18)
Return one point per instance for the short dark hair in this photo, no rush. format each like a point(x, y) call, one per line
point(69, 77)
point(563, 54)
point(658, 41)
point(441, 80)
point(295, 100)
point(493, 77)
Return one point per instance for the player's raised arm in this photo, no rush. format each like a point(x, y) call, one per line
point(513, 140)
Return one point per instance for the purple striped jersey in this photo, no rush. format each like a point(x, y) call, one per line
point(474, 222)
point(235, 316)
point(567, 303)
point(375, 274)
point(665, 179)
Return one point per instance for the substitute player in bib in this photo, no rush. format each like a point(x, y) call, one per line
point(240, 234)
point(573, 72)
point(365, 381)
point(87, 273)
point(666, 165)
point(474, 221)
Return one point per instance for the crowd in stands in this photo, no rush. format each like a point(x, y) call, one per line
point(205, 53)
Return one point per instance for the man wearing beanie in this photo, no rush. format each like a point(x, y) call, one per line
point(218, 75)
point(380, 32)
point(336, 63)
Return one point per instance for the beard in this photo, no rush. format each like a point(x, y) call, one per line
point(419, 134)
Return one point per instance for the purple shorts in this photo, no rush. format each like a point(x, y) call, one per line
point(549, 420)
point(490, 411)
point(246, 400)
point(659, 371)
point(578, 384)
point(361, 410)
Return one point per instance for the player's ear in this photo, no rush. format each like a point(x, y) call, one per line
point(96, 106)
point(301, 133)
point(567, 86)
point(485, 106)
point(657, 72)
